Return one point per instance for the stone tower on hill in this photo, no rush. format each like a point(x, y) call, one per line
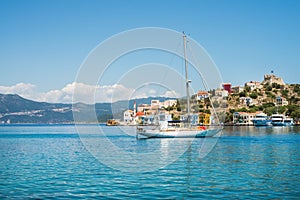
point(271, 78)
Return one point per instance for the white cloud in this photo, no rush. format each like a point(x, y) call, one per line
point(80, 92)
point(23, 89)
point(152, 91)
point(112, 93)
point(171, 94)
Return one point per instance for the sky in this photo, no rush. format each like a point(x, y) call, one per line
point(44, 43)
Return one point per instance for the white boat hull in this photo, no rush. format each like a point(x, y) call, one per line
point(261, 122)
point(178, 133)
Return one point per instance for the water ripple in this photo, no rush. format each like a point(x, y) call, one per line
point(47, 163)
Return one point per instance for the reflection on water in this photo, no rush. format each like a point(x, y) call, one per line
point(257, 131)
point(117, 147)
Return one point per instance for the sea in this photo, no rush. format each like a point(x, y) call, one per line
point(100, 162)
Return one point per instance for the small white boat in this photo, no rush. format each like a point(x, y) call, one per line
point(281, 120)
point(261, 119)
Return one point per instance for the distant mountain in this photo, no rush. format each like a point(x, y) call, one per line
point(16, 109)
point(15, 103)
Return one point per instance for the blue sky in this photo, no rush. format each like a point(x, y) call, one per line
point(43, 43)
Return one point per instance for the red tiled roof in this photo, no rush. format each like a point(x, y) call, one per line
point(139, 114)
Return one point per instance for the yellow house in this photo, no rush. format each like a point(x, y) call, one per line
point(204, 118)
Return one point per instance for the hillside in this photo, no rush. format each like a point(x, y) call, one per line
point(14, 103)
point(267, 97)
point(16, 109)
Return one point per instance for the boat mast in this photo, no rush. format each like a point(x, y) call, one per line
point(187, 81)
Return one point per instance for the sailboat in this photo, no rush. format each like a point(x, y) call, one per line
point(178, 129)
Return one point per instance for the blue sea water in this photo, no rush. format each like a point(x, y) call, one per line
point(52, 161)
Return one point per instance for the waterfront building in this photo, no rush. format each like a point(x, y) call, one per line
point(139, 118)
point(169, 103)
point(194, 119)
point(144, 113)
point(155, 104)
point(204, 118)
point(243, 118)
point(143, 107)
point(128, 116)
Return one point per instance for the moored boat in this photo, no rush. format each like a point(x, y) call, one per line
point(179, 133)
point(167, 129)
point(112, 122)
point(281, 120)
point(183, 129)
point(261, 119)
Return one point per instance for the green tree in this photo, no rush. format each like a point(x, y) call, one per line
point(232, 111)
point(243, 109)
point(275, 109)
point(207, 111)
point(267, 105)
point(178, 107)
point(266, 85)
point(269, 88)
point(207, 103)
point(270, 94)
point(285, 93)
point(175, 117)
point(242, 94)
point(229, 117)
point(293, 111)
point(169, 108)
point(247, 89)
point(296, 88)
point(254, 108)
point(276, 85)
point(294, 100)
point(254, 95)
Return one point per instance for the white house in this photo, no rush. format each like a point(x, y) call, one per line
point(155, 104)
point(221, 93)
point(246, 101)
point(202, 95)
point(280, 101)
point(253, 85)
point(243, 118)
point(128, 116)
point(143, 107)
point(169, 103)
